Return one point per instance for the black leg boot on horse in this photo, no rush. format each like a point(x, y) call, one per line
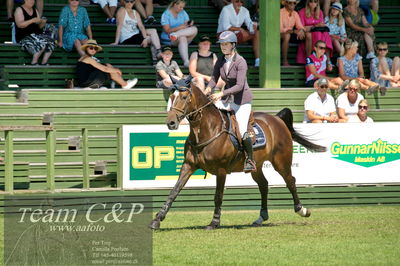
point(249, 164)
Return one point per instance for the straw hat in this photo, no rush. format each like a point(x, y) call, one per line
point(91, 42)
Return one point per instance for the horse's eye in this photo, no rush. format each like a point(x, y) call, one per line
point(184, 97)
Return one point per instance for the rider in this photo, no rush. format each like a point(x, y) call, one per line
point(237, 96)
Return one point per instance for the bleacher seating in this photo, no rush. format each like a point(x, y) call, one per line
point(40, 97)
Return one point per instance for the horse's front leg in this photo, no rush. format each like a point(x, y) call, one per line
point(219, 194)
point(186, 172)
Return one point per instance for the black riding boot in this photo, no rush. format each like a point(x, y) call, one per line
point(249, 164)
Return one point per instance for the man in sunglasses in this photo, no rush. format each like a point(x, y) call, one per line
point(319, 106)
point(361, 116)
point(291, 28)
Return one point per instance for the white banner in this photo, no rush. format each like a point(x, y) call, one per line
point(356, 154)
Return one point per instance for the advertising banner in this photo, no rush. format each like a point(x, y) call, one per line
point(356, 154)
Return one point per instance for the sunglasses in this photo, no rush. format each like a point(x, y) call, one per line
point(323, 87)
point(92, 48)
point(363, 107)
point(129, 1)
point(353, 89)
point(322, 47)
point(382, 49)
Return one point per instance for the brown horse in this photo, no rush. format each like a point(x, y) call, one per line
point(209, 147)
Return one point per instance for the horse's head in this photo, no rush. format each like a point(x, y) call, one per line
point(181, 102)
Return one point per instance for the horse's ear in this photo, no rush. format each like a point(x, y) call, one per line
point(188, 79)
point(174, 80)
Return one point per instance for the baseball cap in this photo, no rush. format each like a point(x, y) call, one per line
point(204, 38)
point(322, 81)
point(337, 6)
point(166, 48)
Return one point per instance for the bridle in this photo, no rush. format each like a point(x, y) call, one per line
point(189, 116)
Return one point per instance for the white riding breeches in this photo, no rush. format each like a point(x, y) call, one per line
point(242, 113)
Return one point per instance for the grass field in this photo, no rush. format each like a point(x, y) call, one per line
point(331, 236)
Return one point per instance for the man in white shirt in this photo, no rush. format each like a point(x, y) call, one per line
point(232, 17)
point(347, 102)
point(319, 106)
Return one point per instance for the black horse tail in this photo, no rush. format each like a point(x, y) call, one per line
point(287, 116)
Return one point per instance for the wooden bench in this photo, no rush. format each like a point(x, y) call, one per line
point(21, 178)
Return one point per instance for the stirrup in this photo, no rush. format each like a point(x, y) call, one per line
point(249, 166)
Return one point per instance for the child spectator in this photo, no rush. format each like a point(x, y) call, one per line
point(167, 68)
point(109, 7)
point(316, 66)
point(350, 67)
point(319, 106)
point(92, 74)
point(29, 32)
point(130, 30)
point(178, 29)
point(336, 25)
point(358, 29)
point(312, 19)
point(347, 102)
point(384, 70)
point(232, 17)
point(291, 28)
point(72, 25)
point(361, 116)
point(202, 63)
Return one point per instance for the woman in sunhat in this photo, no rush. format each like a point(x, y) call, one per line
point(93, 74)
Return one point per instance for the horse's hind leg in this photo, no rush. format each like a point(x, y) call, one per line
point(186, 172)
point(263, 187)
point(219, 194)
point(283, 166)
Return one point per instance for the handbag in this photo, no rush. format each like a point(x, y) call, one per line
point(320, 29)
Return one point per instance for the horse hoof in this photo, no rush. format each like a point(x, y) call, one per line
point(308, 213)
point(255, 224)
point(211, 227)
point(155, 224)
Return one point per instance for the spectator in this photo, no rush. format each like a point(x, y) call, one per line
point(326, 5)
point(72, 24)
point(374, 4)
point(319, 106)
point(167, 68)
point(316, 66)
point(232, 17)
point(10, 8)
point(312, 18)
point(202, 63)
point(336, 25)
point(291, 28)
point(361, 116)
point(130, 30)
point(220, 3)
point(109, 7)
point(92, 74)
point(350, 67)
point(384, 70)
point(178, 29)
point(347, 102)
point(358, 29)
point(146, 13)
point(29, 33)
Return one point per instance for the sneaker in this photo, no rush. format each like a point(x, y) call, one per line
point(149, 20)
point(257, 62)
point(342, 87)
point(372, 89)
point(370, 55)
point(130, 84)
point(173, 37)
point(383, 90)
